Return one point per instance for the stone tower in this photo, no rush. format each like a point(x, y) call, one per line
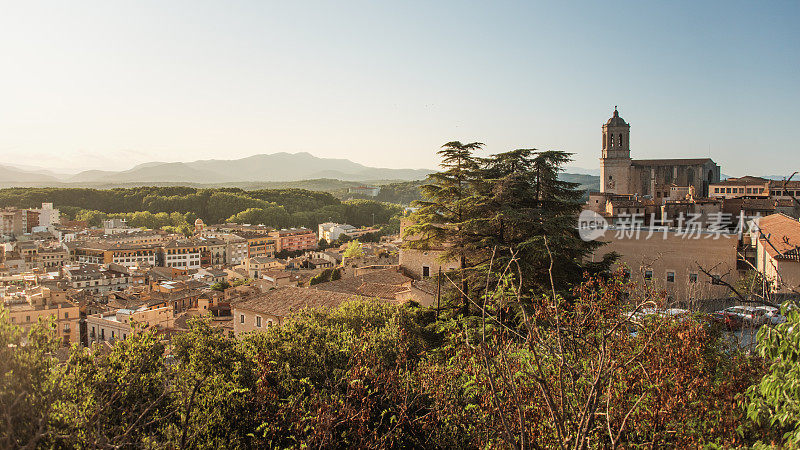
point(615, 164)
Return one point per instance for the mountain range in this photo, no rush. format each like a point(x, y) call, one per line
point(257, 168)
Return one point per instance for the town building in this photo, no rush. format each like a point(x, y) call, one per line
point(29, 306)
point(97, 278)
point(669, 260)
point(777, 242)
point(423, 263)
point(364, 191)
point(212, 251)
point(756, 187)
point(270, 308)
point(294, 239)
point(47, 215)
point(119, 324)
point(258, 244)
point(115, 226)
point(332, 231)
point(182, 253)
point(13, 222)
point(256, 266)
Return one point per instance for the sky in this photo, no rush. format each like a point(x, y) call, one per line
point(110, 84)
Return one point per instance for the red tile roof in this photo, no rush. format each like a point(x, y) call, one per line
point(286, 300)
point(780, 235)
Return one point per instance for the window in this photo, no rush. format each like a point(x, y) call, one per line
point(241, 318)
point(648, 274)
point(670, 277)
point(727, 190)
point(426, 271)
point(269, 323)
point(692, 278)
point(66, 315)
point(716, 190)
point(27, 318)
point(258, 321)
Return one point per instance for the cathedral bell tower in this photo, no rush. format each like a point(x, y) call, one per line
point(615, 164)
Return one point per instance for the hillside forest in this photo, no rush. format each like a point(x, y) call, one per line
point(179, 207)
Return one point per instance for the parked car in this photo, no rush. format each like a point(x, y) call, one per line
point(730, 320)
point(773, 315)
point(749, 315)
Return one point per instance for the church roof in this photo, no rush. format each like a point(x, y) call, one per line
point(616, 120)
point(671, 162)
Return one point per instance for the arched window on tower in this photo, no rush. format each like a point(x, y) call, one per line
point(610, 140)
point(604, 141)
point(620, 140)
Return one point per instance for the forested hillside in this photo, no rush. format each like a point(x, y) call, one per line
point(152, 206)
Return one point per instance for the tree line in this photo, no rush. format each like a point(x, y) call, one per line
point(280, 208)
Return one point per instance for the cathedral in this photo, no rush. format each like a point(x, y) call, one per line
point(648, 177)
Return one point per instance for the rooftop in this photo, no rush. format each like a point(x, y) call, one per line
point(780, 235)
point(286, 300)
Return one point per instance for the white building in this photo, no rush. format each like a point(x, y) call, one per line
point(117, 325)
point(48, 215)
point(182, 255)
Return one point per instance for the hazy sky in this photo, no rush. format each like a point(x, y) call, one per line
point(109, 84)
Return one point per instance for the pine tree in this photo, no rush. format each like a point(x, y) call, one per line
point(447, 204)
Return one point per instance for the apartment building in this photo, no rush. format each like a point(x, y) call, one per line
point(130, 255)
point(669, 260)
point(755, 187)
point(235, 249)
point(294, 239)
point(96, 278)
point(49, 258)
point(332, 231)
point(185, 254)
point(258, 244)
point(119, 324)
point(27, 307)
point(212, 251)
point(777, 242)
point(13, 222)
point(47, 215)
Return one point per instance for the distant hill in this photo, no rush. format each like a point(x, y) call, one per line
point(257, 168)
point(14, 175)
point(274, 171)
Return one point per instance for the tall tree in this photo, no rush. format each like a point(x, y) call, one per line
point(440, 219)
